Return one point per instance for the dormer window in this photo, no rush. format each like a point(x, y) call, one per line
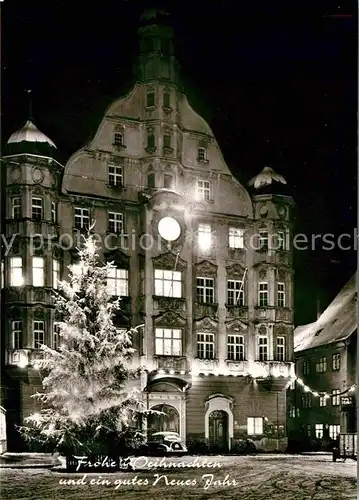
point(118, 139)
point(150, 99)
point(202, 155)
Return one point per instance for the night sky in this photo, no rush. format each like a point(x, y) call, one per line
point(277, 82)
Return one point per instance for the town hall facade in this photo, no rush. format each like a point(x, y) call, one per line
point(211, 298)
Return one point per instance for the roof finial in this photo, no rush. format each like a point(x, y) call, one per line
point(29, 103)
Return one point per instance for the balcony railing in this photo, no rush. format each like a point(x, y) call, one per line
point(177, 304)
point(171, 363)
point(234, 311)
point(203, 309)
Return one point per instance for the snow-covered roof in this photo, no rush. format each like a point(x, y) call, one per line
point(30, 133)
point(266, 177)
point(337, 322)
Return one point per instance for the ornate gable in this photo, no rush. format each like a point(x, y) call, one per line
point(236, 325)
point(170, 318)
point(206, 268)
point(169, 261)
point(206, 325)
point(235, 271)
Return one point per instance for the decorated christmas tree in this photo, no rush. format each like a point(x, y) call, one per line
point(88, 406)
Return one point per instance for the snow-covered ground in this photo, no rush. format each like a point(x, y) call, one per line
point(273, 477)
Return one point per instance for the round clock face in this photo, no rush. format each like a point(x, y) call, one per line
point(169, 229)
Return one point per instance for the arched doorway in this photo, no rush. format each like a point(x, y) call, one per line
point(168, 421)
point(218, 430)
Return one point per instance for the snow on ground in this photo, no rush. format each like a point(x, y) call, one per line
point(260, 477)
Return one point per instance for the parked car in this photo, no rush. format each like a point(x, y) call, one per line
point(164, 443)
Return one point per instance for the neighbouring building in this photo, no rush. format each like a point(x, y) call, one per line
point(194, 258)
point(326, 359)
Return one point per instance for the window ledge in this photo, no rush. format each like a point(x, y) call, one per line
point(204, 162)
point(119, 147)
point(118, 187)
point(235, 361)
point(150, 149)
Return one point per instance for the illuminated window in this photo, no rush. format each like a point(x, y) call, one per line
point(236, 239)
point(115, 222)
point(263, 294)
point(336, 362)
point(335, 397)
point(53, 212)
point(2, 274)
point(38, 271)
point(319, 429)
point(306, 367)
point(150, 99)
point(235, 292)
point(321, 365)
point(16, 208)
point(322, 401)
point(115, 175)
point(168, 342)
point(168, 283)
point(262, 348)
point(117, 282)
point(82, 218)
point(39, 334)
point(280, 348)
point(254, 426)
point(334, 431)
point(76, 270)
point(203, 190)
point(205, 290)
point(280, 295)
point(202, 155)
point(205, 345)
point(16, 334)
point(235, 344)
point(55, 273)
point(16, 278)
point(204, 236)
point(56, 336)
point(37, 209)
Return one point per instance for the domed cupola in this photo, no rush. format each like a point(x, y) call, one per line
point(29, 139)
point(268, 182)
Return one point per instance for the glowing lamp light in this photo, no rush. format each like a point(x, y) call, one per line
point(169, 229)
